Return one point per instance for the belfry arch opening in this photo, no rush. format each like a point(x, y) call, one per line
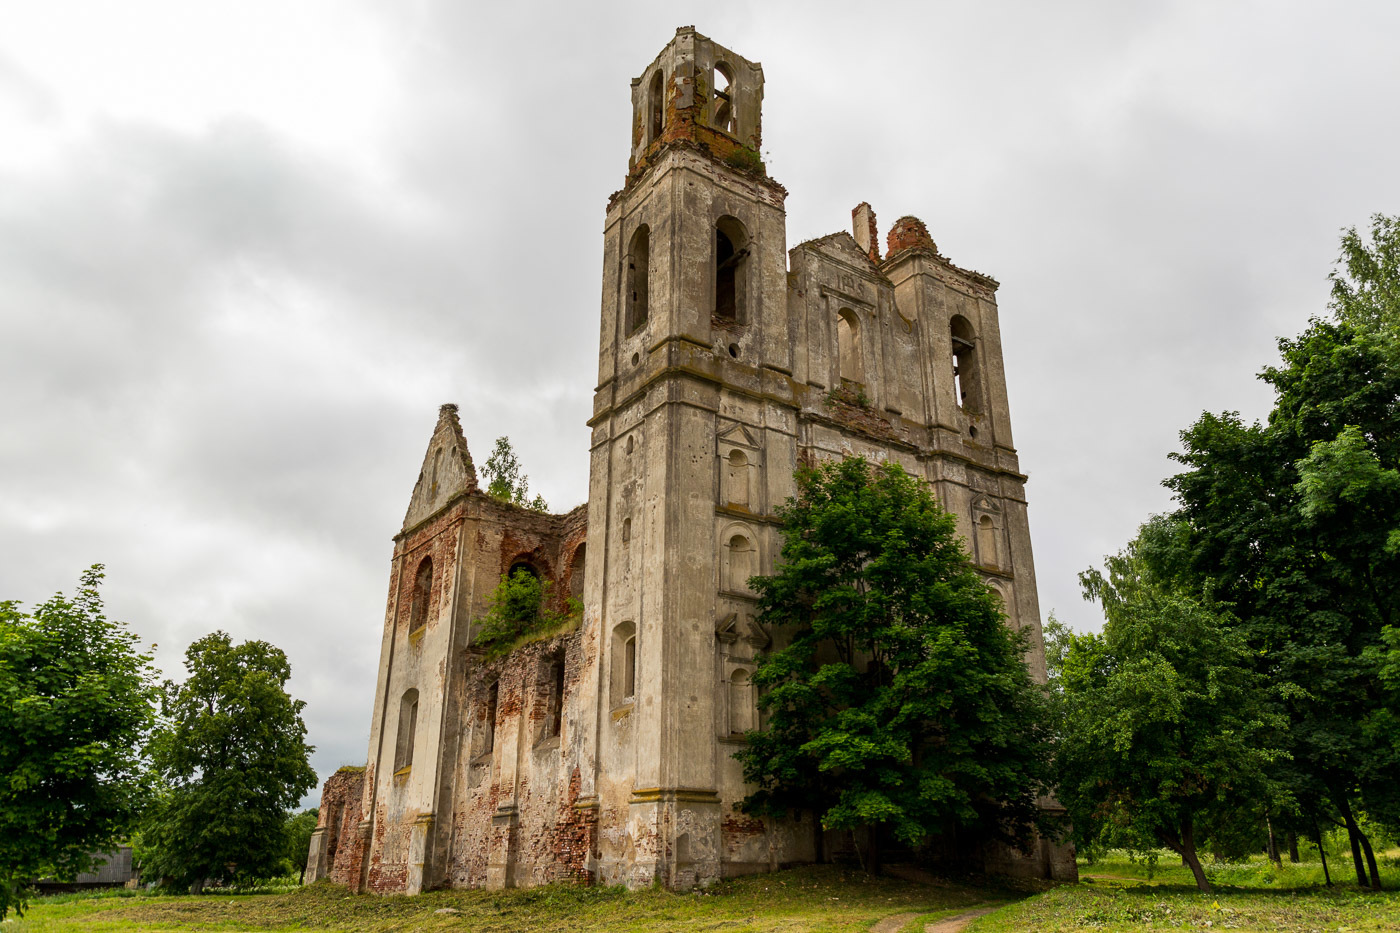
point(722, 112)
point(638, 278)
point(966, 372)
point(656, 106)
point(731, 279)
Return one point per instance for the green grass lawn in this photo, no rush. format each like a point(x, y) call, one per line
point(808, 899)
point(1116, 894)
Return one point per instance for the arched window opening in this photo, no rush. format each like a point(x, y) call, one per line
point(966, 384)
point(741, 564)
point(987, 542)
point(722, 111)
point(576, 570)
point(526, 566)
point(626, 530)
point(437, 461)
point(848, 345)
point(408, 725)
point(638, 278)
point(741, 718)
point(736, 478)
point(656, 106)
point(486, 728)
point(422, 593)
point(731, 249)
point(624, 663)
point(554, 700)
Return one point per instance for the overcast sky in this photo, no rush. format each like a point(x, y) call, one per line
point(246, 250)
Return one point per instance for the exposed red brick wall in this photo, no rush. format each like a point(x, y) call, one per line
point(340, 817)
point(907, 233)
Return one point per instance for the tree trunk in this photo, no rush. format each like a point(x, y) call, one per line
point(1272, 850)
point(197, 887)
point(1293, 847)
point(1188, 851)
point(1358, 843)
point(818, 839)
point(1321, 852)
point(1184, 845)
point(1370, 860)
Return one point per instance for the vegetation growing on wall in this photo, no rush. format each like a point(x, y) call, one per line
point(521, 609)
point(505, 481)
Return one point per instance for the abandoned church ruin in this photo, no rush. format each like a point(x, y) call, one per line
point(725, 360)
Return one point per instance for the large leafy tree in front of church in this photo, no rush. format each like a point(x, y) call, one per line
point(233, 754)
point(901, 702)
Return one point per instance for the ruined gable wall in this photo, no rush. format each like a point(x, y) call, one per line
point(471, 541)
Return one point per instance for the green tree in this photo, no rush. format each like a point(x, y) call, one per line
point(505, 481)
point(77, 700)
point(521, 605)
point(902, 702)
point(1368, 291)
point(1164, 731)
point(1058, 637)
point(300, 826)
point(1290, 523)
point(232, 753)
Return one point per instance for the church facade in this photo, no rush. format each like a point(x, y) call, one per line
point(725, 361)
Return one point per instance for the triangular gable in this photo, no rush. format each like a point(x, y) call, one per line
point(735, 626)
point(447, 469)
point(738, 434)
point(842, 246)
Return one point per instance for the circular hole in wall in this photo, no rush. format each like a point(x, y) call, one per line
point(972, 431)
point(636, 358)
point(734, 350)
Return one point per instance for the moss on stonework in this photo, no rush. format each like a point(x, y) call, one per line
point(849, 393)
point(565, 627)
point(745, 159)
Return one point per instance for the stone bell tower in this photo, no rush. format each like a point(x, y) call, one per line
point(686, 457)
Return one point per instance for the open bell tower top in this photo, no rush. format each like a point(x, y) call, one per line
point(698, 93)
